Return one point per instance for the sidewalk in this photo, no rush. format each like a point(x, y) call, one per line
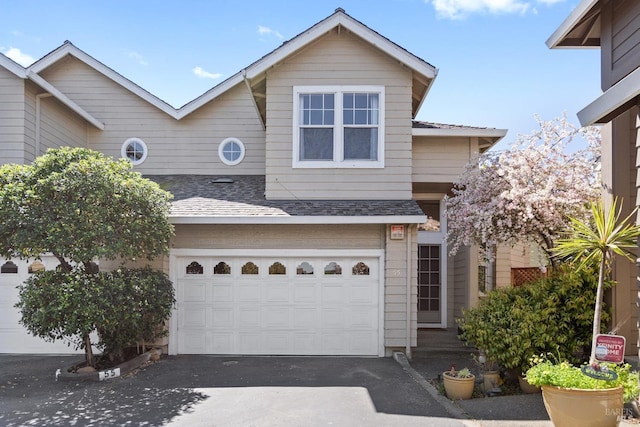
point(439, 348)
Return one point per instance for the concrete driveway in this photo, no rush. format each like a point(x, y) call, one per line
point(221, 391)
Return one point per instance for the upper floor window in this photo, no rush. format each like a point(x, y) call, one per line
point(338, 126)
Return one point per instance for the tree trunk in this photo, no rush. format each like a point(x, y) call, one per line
point(88, 352)
point(598, 308)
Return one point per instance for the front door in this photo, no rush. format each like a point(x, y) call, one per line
point(432, 266)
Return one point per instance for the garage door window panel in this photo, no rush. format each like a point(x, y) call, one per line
point(9, 268)
point(304, 269)
point(250, 268)
point(222, 268)
point(277, 268)
point(333, 268)
point(195, 268)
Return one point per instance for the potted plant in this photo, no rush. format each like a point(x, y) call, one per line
point(458, 384)
point(489, 369)
point(573, 398)
point(591, 242)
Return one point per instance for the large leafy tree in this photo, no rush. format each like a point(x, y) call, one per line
point(80, 206)
point(527, 192)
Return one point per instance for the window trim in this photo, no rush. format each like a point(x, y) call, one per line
point(221, 151)
point(145, 152)
point(338, 144)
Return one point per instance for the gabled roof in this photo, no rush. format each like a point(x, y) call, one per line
point(27, 73)
point(201, 199)
point(424, 73)
point(580, 29)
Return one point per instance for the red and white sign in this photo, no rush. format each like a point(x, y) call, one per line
point(397, 232)
point(610, 348)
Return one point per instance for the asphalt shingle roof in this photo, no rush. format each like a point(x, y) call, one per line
point(243, 196)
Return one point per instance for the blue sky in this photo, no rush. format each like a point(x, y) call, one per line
point(494, 67)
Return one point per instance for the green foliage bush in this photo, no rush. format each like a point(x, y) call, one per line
point(553, 314)
point(124, 306)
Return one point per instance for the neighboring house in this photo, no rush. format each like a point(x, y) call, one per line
point(614, 27)
point(300, 184)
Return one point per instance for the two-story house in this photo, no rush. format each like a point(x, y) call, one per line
point(302, 189)
point(614, 27)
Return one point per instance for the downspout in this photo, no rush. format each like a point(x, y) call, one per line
point(38, 113)
point(408, 278)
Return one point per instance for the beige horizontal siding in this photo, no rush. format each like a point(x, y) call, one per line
point(339, 59)
point(11, 117)
point(187, 146)
point(441, 159)
point(395, 299)
point(339, 236)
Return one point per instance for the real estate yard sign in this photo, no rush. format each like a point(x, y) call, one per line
point(610, 348)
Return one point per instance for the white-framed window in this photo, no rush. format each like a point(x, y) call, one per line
point(231, 151)
point(135, 150)
point(338, 127)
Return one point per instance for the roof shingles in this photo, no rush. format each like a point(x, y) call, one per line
point(243, 196)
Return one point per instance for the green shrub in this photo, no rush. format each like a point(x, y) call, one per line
point(124, 306)
point(553, 314)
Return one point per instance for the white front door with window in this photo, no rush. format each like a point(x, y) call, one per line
point(432, 266)
point(264, 303)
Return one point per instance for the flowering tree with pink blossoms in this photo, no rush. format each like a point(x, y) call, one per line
point(526, 193)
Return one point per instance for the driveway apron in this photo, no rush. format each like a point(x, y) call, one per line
point(220, 391)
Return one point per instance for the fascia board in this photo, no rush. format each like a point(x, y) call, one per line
point(69, 49)
point(618, 95)
point(463, 132)
point(64, 99)
point(572, 20)
point(13, 67)
point(391, 219)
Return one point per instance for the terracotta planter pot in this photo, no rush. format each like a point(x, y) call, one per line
point(585, 408)
point(458, 388)
point(526, 387)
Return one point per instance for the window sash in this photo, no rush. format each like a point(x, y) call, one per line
point(337, 126)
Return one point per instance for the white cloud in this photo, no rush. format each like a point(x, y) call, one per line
point(457, 9)
point(19, 57)
point(266, 31)
point(138, 57)
point(198, 71)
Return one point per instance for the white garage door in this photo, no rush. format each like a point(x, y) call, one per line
point(13, 337)
point(277, 305)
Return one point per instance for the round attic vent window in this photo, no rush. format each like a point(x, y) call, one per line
point(231, 151)
point(135, 150)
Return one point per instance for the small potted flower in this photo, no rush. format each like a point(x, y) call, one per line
point(458, 384)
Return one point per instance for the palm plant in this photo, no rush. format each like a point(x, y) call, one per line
point(596, 242)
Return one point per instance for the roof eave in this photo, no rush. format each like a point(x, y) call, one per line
point(390, 219)
point(12, 66)
point(612, 102)
point(574, 18)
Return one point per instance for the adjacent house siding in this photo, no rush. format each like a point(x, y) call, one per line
point(465, 279)
point(619, 146)
point(12, 111)
point(339, 59)
point(187, 146)
point(620, 40)
point(441, 159)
